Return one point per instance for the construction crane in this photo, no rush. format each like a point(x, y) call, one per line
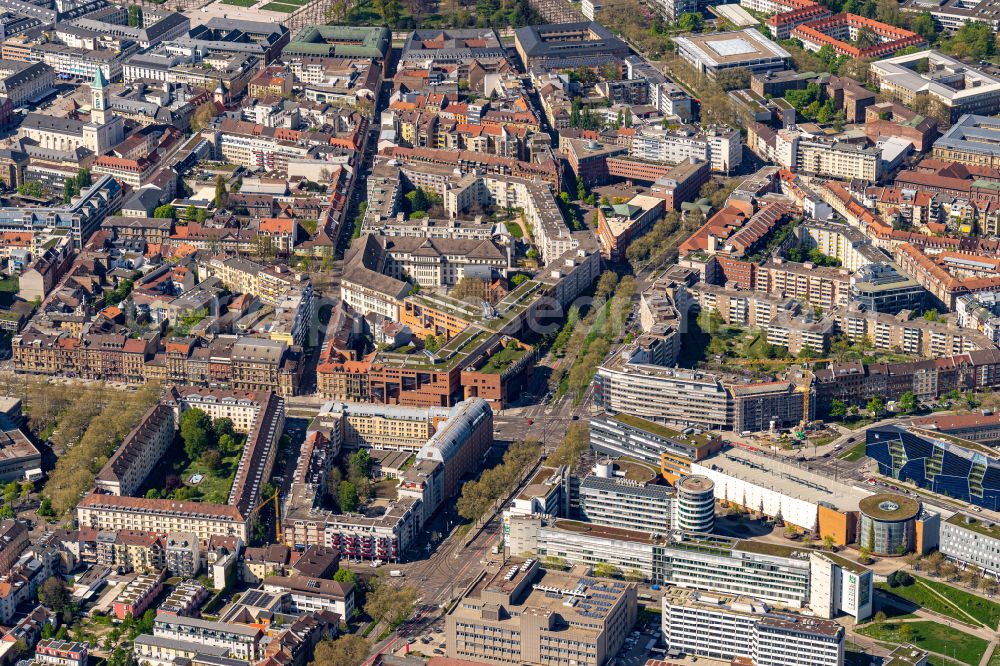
point(807, 375)
point(806, 389)
point(277, 513)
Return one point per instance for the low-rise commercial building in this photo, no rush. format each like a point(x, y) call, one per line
point(980, 427)
point(744, 49)
point(961, 89)
point(971, 541)
point(774, 487)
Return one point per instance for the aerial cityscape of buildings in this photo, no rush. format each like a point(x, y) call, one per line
point(637, 332)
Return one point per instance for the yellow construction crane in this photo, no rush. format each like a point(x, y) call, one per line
point(807, 375)
point(277, 513)
point(806, 388)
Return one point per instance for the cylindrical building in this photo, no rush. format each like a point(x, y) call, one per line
point(694, 506)
point(888, 523)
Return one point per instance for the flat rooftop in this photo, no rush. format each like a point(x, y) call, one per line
point(749, 606)
point(890, 507)
point(946, 422)
point(722, 49)
point(697, 439)
point(947, 77)
point(15, 445)
point(787, 479)
point(602, 532)
point(735, 14)
point(974, 524)
point(578, 599)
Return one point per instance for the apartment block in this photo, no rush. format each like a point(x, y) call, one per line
point(818, 286)
point(721, 147)
point(914, 336)
point(262, 414)
point(137, 596)
point(241, 641)
point(139, 452)
point(619, 224)
point(303, 594)
point(830, 158)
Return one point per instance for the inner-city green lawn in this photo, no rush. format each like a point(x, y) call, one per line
point(279, 7)
point(957, 603)
point(923, 597)
point(856, 452)
point(172, 476)
point(984, 610)
point(932, 636)
point(215, 483)
point(240, 3)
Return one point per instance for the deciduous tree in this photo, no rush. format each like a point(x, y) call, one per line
point(196, 432)
point(348, 650)
point(391, 604)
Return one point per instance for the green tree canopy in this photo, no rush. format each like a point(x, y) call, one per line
point(691, 22)
point(348, 650)
point(196, 432)
point(908, 403)
point(876, 406)
point(347, 497)
point(345, 576)
point(391, 604)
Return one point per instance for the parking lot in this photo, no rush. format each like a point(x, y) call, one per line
point(638, 645)
point(431, 643)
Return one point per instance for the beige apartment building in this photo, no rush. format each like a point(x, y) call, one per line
point(817, 285)
point(139, 453)
point(918, 337)
point(387, 427)
point(518, 613)
point(108, 512)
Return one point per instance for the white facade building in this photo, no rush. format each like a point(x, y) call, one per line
point(838, 585)
point(728, 627)
point(722, 147)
